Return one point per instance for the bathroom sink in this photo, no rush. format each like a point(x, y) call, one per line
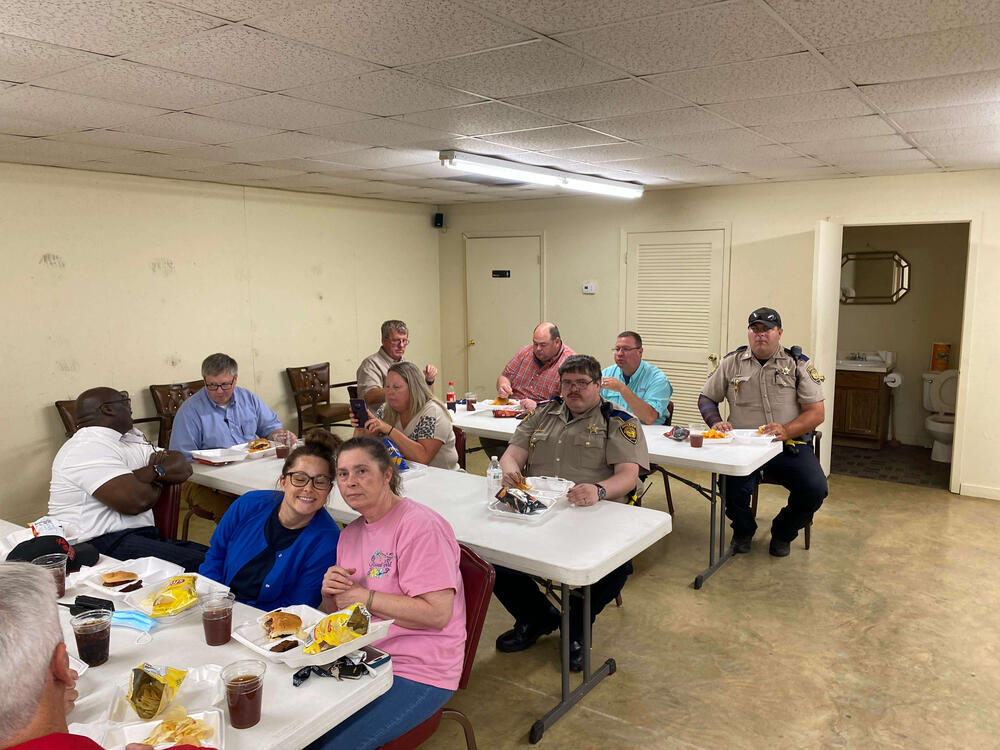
point(877, 361)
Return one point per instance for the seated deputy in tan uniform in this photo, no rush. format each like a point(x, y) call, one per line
point(584, 438)
point(783, 395)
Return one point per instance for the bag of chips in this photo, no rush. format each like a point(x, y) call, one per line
point(395, 457)
point(177, 594)
point(339, 628)
point(152, 688)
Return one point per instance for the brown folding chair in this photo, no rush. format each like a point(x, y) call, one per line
point(478, 577)
point(311, 388)
point(167, 398)
point(67, 415)
point(817, 437)
point(167, 511)
point(460, 445)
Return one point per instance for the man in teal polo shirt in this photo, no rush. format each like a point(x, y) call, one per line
point(633, 384)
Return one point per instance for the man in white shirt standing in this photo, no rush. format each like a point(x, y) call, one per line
point(107, 478)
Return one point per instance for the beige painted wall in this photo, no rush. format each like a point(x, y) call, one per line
point(931, 311)
point(126, 281)
point(771, 231)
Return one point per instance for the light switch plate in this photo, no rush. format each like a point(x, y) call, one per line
point(590, 288)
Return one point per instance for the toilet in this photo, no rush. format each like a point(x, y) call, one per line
point(940, 394)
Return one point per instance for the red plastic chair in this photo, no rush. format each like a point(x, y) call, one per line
point(459, 445)
point(167, 511)
point(477, 578)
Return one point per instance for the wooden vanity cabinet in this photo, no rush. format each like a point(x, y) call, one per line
point(861, 409)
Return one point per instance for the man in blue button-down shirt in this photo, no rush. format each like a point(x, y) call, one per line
point(634, 384)
point(221, 415)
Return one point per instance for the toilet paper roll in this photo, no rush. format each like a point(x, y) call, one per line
point(894, 380)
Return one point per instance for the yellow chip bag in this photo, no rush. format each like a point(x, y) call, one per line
point(177, 594)
point(152, 688)
point(338, 628)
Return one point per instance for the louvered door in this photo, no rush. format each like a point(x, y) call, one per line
point(674, 292)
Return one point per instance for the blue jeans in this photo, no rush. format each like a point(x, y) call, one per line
point(391, 715)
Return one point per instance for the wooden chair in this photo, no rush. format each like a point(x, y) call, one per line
point(817, 437)
point(477, 578)
point(67, 415)
point(167, 399)
point(311, 388)
point(167, 511)
point(460, 445)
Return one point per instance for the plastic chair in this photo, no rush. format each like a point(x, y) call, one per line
point(311, 388)
point(817, 437)
point(167, 399)
point(460, 445)
point(477, 578)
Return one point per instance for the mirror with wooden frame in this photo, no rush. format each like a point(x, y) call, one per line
point(877, 278)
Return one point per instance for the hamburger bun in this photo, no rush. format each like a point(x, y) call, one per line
point(281, 625)
point(260, 444)
point(118, 578)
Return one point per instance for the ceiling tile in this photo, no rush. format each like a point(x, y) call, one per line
point(184, 126)
point(879, 158)
point(808, 173)
point(837, 22)
point(427, 171)
point(927, 93)
point(253, 58)
point(312, 180)
point(713, 35)
point(384, 92)
point(42, 151)
point(11, 124)
point(922, 167)
point(625, 97)
point(109, 28)
point(610, 152)
point(832, 148)
point(658, 124)
point(119, 80)
point(701, 174)
point(247, 172)
point(71, 111)
point(511, 71)
point(378, 132)
point(949, 136)
point(821, 130)
point(544, 160)
point(160, 162)
point(469, 145)
point(794, 108)
point(390, 32)
point(239, 10)
point(25, 60)
point(756, 79)
point(962, 116)
point(716, 140)
point(480, 119)
point(279, 111)
point(752, 155)
point(383, 158)
point(552, 16)
point(287, 145)
point(955, 153)
point(757, 164)
point(559, 136)
point(115, 139)
point(923, 56)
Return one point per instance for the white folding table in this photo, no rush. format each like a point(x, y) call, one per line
point(729, 459)
point(291, 717)
point(569, 545)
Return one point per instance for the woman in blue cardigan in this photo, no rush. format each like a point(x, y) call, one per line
point(272, 548)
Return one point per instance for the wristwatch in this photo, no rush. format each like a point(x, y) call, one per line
point(601, 492)
point(160, 472)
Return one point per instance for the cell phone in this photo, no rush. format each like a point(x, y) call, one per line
point(359, 408)
point(375, 657)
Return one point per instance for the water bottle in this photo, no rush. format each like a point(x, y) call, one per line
point(494, 479)
point(450, 396)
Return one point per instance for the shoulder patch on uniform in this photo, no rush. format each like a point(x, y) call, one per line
point(622, 415)
point(736, 351)
point(630, 432)
point(802, 357)
point(815, 375)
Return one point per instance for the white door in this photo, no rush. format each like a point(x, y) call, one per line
point(827, 250)
point(503, 303)
point(674, 294)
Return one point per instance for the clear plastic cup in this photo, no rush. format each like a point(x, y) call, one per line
point(696, 438)
point(217, 618)
point(244, 681)
point(93, 635)
point(55, 564)
point(470, 401)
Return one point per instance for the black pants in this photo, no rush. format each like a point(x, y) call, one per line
point(146, 542)
point(520, 595)
point(493, 447)
point(800, 474)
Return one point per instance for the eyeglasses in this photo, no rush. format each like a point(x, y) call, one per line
point(220, 386)
point(124, 399)
point(575, 385)
point(321, 482)
point(625, 349)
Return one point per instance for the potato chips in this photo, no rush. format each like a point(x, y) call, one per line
point(152, 688)
point(179, 729)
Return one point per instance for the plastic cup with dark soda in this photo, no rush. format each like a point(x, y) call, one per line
point(93, 635)
point(55, 564)
point(244, 681)
point(696, 437)
point(217, 618)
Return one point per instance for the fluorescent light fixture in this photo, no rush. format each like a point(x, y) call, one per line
point(508, 170)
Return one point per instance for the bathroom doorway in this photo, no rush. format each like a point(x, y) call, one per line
point(885, 347)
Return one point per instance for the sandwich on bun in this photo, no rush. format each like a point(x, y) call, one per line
point(260, 444)
point(279, 625)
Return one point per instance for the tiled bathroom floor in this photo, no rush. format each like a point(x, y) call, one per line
point(906, 464)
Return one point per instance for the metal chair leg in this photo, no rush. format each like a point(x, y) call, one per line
point(470, 735)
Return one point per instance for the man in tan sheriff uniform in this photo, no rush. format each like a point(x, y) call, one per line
point(584, 438)
point(783, 395)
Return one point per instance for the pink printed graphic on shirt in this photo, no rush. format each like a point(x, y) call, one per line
point(381, 564)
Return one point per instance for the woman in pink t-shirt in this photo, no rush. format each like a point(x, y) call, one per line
point(401, 558)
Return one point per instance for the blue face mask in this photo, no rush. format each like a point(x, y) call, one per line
point(134, 620)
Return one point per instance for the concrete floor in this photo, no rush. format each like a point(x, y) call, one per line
point(883, 635)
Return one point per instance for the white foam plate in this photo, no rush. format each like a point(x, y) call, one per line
point(119, 736)
point(148, 569)
point(709, 442)
point(219, 456)
point(750, 437)
point(78, 665)
point(500, 509)
point(266, 453)
point(252, 635)
point(202, 585)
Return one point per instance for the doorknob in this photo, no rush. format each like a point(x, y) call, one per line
point(713, 358)
point(470, 342)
